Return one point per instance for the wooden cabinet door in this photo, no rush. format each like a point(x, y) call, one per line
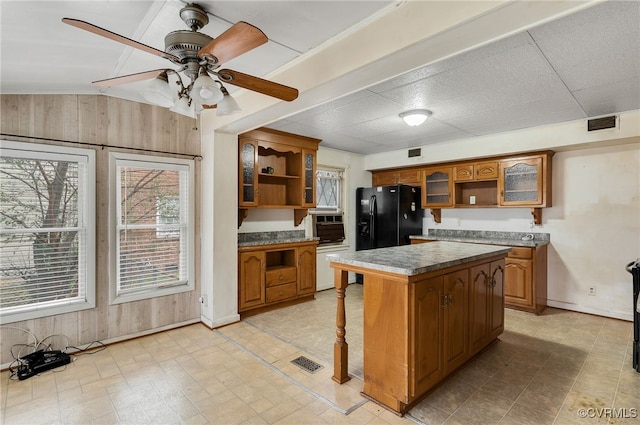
point(409, 177)
point(427, 368)
point(306, 270)
point(521, 181)
point(308, 179)
point(479, 304)
point(384, 178)
point(437, 187)
point(463, 173)
point(251, 271)
point(496, 322)
point(248, 175)
point(518, 286)
point(456, 338)
point(488, 170)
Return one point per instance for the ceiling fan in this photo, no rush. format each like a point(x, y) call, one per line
point(198, 56)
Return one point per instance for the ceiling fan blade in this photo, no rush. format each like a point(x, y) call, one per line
point(119, 38)
point(258, 84)
point(238, 39)
point(131, 78)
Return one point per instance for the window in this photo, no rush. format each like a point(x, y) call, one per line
point(328, 189)
point(47, 228)
point(152, 235)
point(327, 218)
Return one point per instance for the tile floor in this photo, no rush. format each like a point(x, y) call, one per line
point(543, 371)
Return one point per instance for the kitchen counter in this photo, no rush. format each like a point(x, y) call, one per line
point(428, 309)
point(411, 260)
point(273, 238)
point(485, 237)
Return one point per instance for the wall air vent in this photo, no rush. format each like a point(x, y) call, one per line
point(415, 152)
point(601, 123)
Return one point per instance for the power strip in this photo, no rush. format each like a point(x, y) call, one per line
point(41, 361)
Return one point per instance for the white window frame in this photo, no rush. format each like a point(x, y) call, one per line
point(117, 159)
point(86, 229)
point(339, 210)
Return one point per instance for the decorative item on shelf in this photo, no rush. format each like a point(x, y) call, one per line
point(415, 117)
point(267, 170)
point(198, 57)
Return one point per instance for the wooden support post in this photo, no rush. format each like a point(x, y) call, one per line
point(340, 348)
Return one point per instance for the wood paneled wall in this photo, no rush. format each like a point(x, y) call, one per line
point(104, 120)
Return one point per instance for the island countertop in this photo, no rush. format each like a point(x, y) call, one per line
point(411, 260)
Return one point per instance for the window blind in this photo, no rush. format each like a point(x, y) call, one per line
point(152, 226)
point(43, 232)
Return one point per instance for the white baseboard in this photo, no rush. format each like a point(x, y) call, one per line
point(220, 322)
point(581, 309)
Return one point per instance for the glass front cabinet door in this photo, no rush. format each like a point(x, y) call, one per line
point(248, 195)
point(437, 187)
point(308, 179)
point(521, 182)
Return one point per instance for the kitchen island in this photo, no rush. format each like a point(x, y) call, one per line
point(428, 308)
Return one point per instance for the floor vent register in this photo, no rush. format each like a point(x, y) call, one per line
point(306, 364)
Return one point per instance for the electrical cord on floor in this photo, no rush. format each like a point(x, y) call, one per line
point(82, 351)
point(19, 362)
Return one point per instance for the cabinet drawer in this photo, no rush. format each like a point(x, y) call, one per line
point(280, 275)
point(520, 252)
point(281, 292)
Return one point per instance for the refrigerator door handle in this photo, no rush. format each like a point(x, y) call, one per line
point(373, 211)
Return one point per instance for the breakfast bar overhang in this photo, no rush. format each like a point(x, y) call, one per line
point(428, 308)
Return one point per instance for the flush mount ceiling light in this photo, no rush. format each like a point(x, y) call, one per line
point(415, 117)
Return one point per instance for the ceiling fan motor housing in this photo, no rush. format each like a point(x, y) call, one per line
point(185, 44)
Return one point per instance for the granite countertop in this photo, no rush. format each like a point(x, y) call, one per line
point(272, 238)
point(416, 259)
point(485, 237)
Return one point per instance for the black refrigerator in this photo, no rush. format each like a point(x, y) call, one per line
point(387, 216)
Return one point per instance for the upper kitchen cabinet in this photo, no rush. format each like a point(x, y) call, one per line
point(408, 176)
point(437, 187)
point(487, 170)
point(526, 181)
point(276, 170)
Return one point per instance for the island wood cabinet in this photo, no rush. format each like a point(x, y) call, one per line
point(450, 315)
point(276, 170)
point(408, 176)
point(525, 277)
point(274, 275)
point(486, 304)
point(441, 336)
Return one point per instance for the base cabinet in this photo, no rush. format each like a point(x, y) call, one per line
point(487, 304)
point(526, 279)
point(271, 275)
point(444, 330)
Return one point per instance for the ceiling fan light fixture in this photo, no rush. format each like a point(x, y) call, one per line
point(228, 104)
point(205, 91)
point(415, 117)
point(158, 91)
point(184, 107)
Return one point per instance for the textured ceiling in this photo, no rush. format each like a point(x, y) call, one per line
point(580, 66)
point(583, 65)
